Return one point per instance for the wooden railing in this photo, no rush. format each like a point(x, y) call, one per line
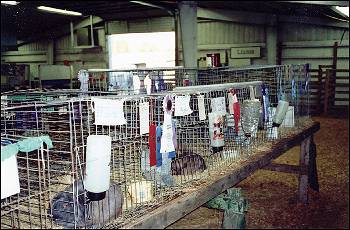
point(331, 89)
point(326, 83)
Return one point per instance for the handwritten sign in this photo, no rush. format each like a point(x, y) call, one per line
point(144, 117)
point(201, 108)
point(218, 105)
point(109, 112)
point(182, 105)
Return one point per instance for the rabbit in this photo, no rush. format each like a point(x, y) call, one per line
point(188, 163)
point(89, 214)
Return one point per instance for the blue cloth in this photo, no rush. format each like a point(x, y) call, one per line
point(158, 142)
point(26, 145)
point(172, 154)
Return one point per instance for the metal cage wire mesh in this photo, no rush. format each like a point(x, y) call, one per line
point(69, 118)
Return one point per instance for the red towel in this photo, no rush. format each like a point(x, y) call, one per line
point(237, 114)
point(236, 109)
point(152, 145)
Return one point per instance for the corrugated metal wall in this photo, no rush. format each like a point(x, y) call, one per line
point(314, 45)
point(213, 36)
point(220, 36)
point(161, 24)
point(304, 32)
point(35, 46)
point(215, 32)
point(35, 54)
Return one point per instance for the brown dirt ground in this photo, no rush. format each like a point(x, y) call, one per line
point(272, 196)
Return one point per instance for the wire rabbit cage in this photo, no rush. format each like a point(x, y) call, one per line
point(116, 155)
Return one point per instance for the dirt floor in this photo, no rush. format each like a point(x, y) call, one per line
point(272, 196)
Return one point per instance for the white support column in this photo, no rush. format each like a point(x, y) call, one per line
point(188, 24)
point(271, 41)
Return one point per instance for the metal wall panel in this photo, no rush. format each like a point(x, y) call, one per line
point(304, 32)
point(35, 46)
point(161, 24)
point(63, 43)
point(214, 32)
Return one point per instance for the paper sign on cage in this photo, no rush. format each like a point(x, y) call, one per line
point(9, 177)
point(144, 117)
point(109, 112)
point(230, 103)
point(182, 105)
point(201, 108)
point(218, 105)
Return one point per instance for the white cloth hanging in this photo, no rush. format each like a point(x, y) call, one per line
point(109, 112)
point(9, 177)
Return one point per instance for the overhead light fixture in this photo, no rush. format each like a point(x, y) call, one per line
point(9, 2)
point(59, 11)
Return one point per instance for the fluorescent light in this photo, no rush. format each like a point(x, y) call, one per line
point(344, 10)
point(58, 11)
point(9, 2)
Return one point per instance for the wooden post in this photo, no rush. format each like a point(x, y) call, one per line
point(335, 55)
point(177, 34)
point(319, 89)
point(334, 73)
point(279, 53)
point(326, 92)
point(312, 172)
point(304, 165)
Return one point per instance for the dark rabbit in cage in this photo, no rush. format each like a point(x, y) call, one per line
point(187, 164)
point(87, 213)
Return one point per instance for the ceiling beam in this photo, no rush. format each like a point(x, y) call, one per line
point(325, 3)
point(262, 19)
point(86, 22)
point(61, 30)
point(230, 15)
point(167, 9)
point(314, 21)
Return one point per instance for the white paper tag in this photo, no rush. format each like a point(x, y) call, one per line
point(109, 112)
point(9, 177)
point(201, 107)
point(144, 117)
point(4, 100)
point(230, 103)
point(218, 105)
point(167, 144)
point(182, 105)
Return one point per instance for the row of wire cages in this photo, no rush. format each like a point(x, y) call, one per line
point(288, 83)
point(135, 81)
point(150, 147)
point(142, 177)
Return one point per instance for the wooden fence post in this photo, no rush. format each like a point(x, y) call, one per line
point(319, 89)
point(326, 92)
